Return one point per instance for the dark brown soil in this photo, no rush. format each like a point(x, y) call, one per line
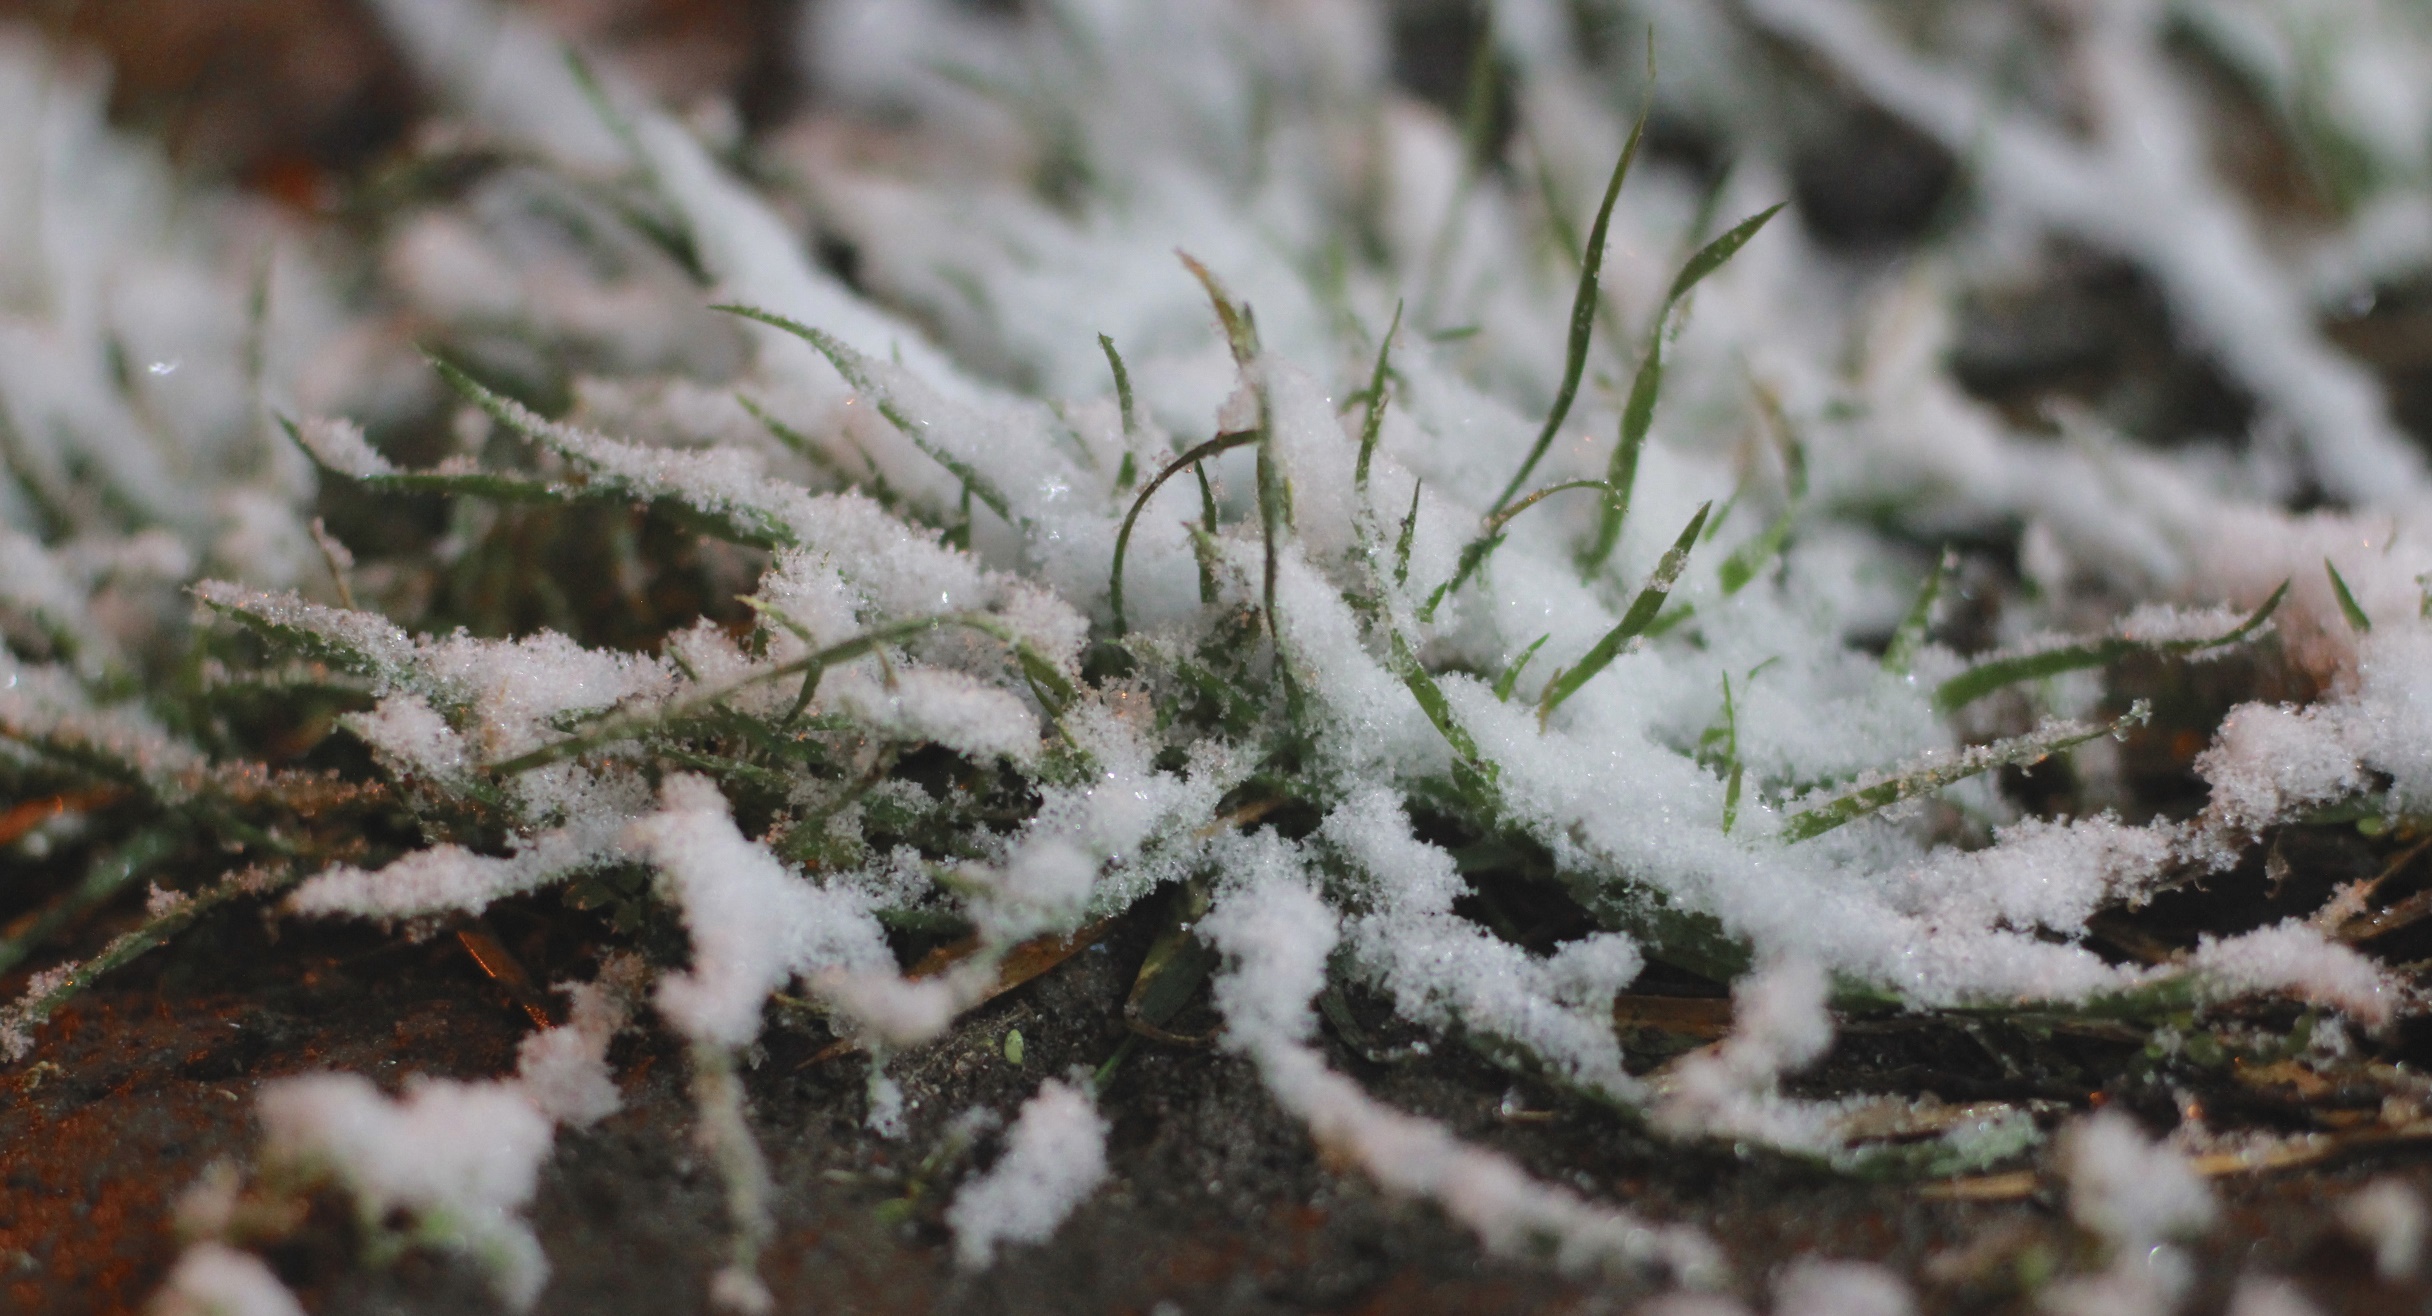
point(1217, 1203)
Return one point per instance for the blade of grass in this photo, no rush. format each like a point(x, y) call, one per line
point(1638, 414)
point(723, 519)
point(615, 727)
point(1910, 635)
point(471, 484)
point(1750, 558)
point(108, 875)
point(1206, 536)
point(1475, 552)
point(1511, 674)
point(1401, 546)
point(1123, 537)
point(1986, 677)
point(1127, 472)
point(1123, 387)
point(2348, 607)
point(1373, 422)
point(1240, 328)
point(855, 369)
point(1274, 497)
point(2033, 747)
point(801, 446)
point(1473, 773)
point(52, 990)
point(1583, 309)
point(1731, 758)
point(1642, 611)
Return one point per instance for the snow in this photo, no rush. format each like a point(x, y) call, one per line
point(2132, 1191)
point(2296, 958)
point(1055, 1157)
point(465, 1157)
point(2139, 1197)
point(564, 1070)
point(213, 1279)
point(754, 925)
point(2265, 1295)
point(1277, 933)
point(725, 1134)
point(2389, 1218)
point(449, 877)
point(1779, 1024)
point(339, 444)
point(949, 708)
point(2268, 763)
point(1812, 1287)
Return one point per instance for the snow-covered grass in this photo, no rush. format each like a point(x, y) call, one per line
point(1425, 528)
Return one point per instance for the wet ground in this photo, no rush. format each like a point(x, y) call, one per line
point(1217, 1201)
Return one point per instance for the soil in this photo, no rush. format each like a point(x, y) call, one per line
point(1217, 1201)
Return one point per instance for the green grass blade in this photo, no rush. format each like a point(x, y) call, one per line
point(801, 446)
point(18, 1020)
point(2348, 607)
point(1274, 499)
point(1473, 555)
point(731, 521)
point(1123, 537)
point(1240, 329)
point(1401, 546)
point(470, 484)
point(1986, 677)
point(1642, 611)
point(1637, 418)
point(1731, 758)
point(1373, 422)
point(1638, 414)
point(107, 876)
point(1901, 653)
point(1476, 551)
point(1274, 519)
point(2033, 747)
point(1714, 255)
point(1511, 674)
point(855, 369)
point(1471, 772)
point(331, 642)
point(1206, 536)
point(615, 727)
point(1583, 311)
point(1750, 558)
point(1123, 387)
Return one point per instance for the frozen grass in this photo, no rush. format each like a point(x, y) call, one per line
point(767, 615)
